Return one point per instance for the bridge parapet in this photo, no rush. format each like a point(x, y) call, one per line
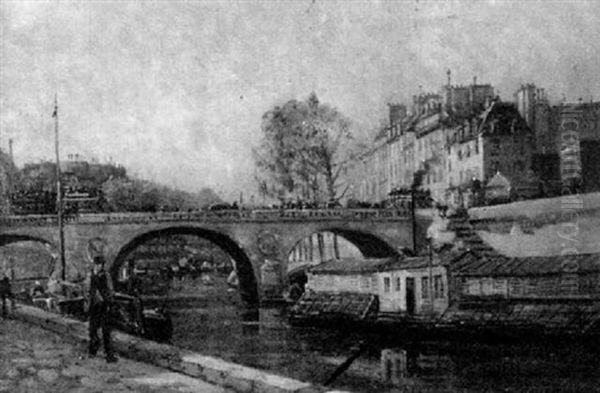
point(211, 216)
point(29, 220)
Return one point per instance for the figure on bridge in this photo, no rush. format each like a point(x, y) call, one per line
point(100, 299)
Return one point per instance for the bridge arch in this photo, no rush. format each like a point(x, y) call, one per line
point(36, 261)
point(247, 280)
point(370, 245)
point(8, 238)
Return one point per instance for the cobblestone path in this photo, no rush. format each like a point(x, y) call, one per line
point(34, 360)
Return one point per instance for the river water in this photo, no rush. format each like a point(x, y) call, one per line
point(265, 341)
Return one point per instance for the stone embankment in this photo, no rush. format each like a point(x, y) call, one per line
point(204, 369)
point(34, 360)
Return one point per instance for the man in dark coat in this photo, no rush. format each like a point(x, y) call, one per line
point(5, 293)
point(101, 296)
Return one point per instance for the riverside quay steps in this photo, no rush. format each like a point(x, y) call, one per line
point(213, 370)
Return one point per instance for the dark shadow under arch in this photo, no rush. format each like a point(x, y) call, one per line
point(368, 244)
point(15, 238)
point(247, 279)
point(49, 269)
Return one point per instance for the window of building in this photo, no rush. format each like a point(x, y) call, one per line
point(329, 281)
point(374, 283)
point(495, 147)
point(398, 284)
point(519, 166)
point(476, 147)
point(495, 166)
point(459, 154)
point(468, 151)
point(438, 287)
point(424, 287)
point(365, 283)
point(386, 284)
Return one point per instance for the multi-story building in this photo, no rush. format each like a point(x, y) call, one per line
point(448, 142)
point(567, 138)
point(542, 118)
point(579, 143)
point(7, 174)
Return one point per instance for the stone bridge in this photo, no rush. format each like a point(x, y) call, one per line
point(253, 238)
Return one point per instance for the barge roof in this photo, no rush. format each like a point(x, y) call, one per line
point(471, 264)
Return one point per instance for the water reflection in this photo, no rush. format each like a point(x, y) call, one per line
point(388, 363)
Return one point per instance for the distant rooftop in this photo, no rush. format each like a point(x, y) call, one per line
point(369, 265)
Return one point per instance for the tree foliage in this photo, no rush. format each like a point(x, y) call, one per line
point(109, 183)
point(305, 147)
point(132, 195)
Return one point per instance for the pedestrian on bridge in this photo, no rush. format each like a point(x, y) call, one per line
point(100, 300)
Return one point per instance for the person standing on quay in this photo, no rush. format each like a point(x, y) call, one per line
point(101, 296)
point(5, 293)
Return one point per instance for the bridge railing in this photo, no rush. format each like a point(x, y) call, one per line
point(221, 215)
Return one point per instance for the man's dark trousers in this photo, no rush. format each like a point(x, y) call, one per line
point(100, 319)
point(4, 307)
point(5, 293)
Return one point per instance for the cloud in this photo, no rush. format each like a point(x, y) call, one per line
point(176, 90)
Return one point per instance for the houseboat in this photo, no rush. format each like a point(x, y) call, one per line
point(357, 289)
point(465, 291)
point(541, 294)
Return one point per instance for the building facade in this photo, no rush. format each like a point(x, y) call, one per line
point(407, 286)
point(449, 144)
point(7, 177)
point(567, 138)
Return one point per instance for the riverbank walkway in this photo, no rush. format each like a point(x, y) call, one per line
point(46, 352)
point(36, 360)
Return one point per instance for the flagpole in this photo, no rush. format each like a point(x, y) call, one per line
point(59, 201)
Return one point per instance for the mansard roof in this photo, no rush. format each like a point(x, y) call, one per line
point(502, 118)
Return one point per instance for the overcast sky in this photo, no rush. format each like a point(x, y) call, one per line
point(175, 90)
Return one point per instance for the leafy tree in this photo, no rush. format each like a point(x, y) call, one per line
point(140, 195)
point(305, 147)
point(121, 194)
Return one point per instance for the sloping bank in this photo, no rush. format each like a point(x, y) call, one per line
point(217, 371)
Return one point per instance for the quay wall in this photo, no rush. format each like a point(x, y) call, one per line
point(553, 226)
point(214, 370)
